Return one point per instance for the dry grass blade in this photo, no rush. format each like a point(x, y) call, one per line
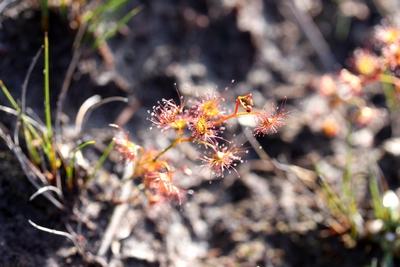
point(45, 189)
point(84, 108)
point(28, 168)
point(52, 231)
point(14, 112)
point(23, 94)
point(88, 257)
point(89, 106)
point(27, 78)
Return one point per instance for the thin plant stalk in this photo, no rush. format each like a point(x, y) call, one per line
point(172, 145)
point(44, 5)
point(48, 138)
point(47, 87)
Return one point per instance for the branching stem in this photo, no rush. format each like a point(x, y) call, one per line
point(173, 144)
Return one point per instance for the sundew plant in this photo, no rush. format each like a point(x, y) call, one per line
point(202, 122)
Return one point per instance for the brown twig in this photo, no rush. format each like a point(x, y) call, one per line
point(314, 35)
point(68, 76)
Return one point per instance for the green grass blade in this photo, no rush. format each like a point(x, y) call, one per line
point(32, 151)
point(29, 131)
point(107, 7)
point(103, 158)
point(48, 144)
point(83, 145)
point(9, 97)
point(47, 87)
point(44, 5)
point(349, 197)
point(120, 23)
point(348, 193)
point(379, 210)
point(71, 165)
point(334, 202)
